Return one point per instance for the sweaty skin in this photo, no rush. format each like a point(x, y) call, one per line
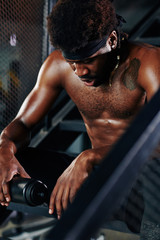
point(107, 111)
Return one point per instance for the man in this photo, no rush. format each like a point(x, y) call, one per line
point(108, 78)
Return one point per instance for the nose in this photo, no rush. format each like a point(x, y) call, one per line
point(80, 69)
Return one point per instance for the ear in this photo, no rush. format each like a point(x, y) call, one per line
point(112, 40)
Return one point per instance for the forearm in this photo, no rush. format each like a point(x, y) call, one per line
point(87, 159)
point(73, 177)
point(96, 155)
point(16, 135)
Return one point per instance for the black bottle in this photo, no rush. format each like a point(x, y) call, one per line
point(28, 190)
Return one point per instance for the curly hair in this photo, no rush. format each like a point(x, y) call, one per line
point(73, 23)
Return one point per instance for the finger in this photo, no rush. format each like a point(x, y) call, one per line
point(2, 199)
point(52, 200)
point(72, 195)
point(24, 174)
point(65, 198)
point(5, 187)
point(58, 201)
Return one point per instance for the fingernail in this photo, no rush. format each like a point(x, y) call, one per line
point(7, 199)
point(59, 217)
point(50, 211)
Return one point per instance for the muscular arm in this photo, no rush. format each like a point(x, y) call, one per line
point(73, 177)
point(17, 133)
point(149, 75)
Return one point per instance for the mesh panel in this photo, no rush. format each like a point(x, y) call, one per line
point(22, 51)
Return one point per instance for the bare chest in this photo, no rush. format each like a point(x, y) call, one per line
point(116, 101)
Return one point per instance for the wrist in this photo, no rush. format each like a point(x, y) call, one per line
point(6, 145)
point(87, 159)
point(96, 155)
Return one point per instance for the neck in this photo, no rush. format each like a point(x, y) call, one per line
point(116, 66)
point(113, 58)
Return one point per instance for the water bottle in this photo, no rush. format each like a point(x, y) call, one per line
point(28, 191)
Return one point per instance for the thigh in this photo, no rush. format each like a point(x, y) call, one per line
point(43, 164)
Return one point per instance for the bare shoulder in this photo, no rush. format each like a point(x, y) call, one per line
point(148, 57)
point(53, 70)
point(150, 61)
point(150, 53)
point(145, 52)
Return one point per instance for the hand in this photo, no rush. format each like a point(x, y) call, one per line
point(9, 167)
point(69, 182)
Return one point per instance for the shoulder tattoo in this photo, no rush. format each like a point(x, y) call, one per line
point(130, 75)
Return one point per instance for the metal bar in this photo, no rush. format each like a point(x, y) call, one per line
point(107, 187)
point(144, 22)
point(144, 25)
point(72, 125)
point(41, 210)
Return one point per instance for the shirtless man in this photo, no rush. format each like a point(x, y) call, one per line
point(108, 78)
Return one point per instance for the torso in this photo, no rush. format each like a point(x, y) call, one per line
point(107, 111)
